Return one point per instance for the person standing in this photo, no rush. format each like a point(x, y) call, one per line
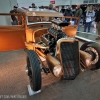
point(78, 14)
point(90, 15)
point(14, 20)
point(62, 10)
point(68, 12)
point(33, 6)
point(84, 15)
point(97, 20)
point(50, 7)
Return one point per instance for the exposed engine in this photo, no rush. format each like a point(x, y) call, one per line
point(50, 39)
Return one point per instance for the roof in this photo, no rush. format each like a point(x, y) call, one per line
point(39, 12)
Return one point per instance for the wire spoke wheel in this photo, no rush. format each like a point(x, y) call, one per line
point(93, 53)
point(93, 49)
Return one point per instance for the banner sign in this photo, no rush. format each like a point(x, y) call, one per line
point(52, 1)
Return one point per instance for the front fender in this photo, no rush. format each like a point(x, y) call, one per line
point(85, 59)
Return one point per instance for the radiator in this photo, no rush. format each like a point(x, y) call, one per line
point(70, 59)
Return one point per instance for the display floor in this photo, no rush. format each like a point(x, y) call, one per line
point(14, 81)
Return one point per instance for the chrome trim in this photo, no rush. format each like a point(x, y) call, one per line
point(36, 45)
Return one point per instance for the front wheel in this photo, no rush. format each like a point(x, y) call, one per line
point(34, 71)
point(93, 49)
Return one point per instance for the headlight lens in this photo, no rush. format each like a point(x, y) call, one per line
point(88, 62)
point(57, 70)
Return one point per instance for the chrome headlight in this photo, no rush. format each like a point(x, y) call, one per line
point(88, 61)
point(57, 70)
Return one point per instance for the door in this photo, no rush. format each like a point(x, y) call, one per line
point(12, 37)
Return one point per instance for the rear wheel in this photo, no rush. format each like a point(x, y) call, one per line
point(34, 71)
point(93, 49)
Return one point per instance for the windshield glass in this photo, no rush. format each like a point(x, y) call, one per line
point(32, 19)
point(46, 19)
point(41, 19)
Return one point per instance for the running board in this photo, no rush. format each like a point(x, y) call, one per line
point(84, 39)
point(88, 33)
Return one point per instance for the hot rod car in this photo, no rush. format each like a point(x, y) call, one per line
point(50, 44)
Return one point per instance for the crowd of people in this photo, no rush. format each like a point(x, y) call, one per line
point(87, 16)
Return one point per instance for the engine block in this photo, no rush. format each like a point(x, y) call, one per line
point(54, 34)
point(57, 34)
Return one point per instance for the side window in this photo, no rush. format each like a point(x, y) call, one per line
point(10, 20)
point(4, 20)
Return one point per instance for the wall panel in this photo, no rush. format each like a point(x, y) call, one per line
point(5, 7)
